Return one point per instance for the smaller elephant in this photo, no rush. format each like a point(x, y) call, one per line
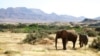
point(65, 36)
point(83, 40)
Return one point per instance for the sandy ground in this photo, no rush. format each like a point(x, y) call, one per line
point(10, 46)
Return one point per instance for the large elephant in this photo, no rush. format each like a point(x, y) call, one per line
point(83, 40)
point(65, 36)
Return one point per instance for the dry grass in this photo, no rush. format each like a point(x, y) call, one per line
point(9, 43)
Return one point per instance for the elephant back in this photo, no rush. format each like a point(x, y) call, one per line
point(64, 33)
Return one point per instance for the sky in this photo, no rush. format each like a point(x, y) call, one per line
point(77, 8)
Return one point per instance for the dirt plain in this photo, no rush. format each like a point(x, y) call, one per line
point(10, 46)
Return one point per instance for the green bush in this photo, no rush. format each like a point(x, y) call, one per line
point(91, 33)
point(97, 29)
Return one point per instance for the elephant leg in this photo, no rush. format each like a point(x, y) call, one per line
point(64, 40)
point(74, 42)
point(56, 43)
point(81, 44)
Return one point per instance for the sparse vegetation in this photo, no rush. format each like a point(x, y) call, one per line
point(39, 36)
point(27, 28)
point(32, 38)
point(35, 35)
point(96, 43)
point(99, 33)
point(92, 33)
point(97, 29)
point(10, 47)
point(11, 52)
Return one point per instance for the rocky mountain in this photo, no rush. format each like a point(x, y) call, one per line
point(91, 22)
point(27, 15)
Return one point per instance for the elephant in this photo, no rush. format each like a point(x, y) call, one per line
point(65, 36)
point(83, 40)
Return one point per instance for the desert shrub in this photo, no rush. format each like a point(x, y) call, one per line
point(77, 26)
point(19, 31)
point(78, 29)
point(49, 31)
point(30, 38)
point(99, 33)
point(91, 33)
point(96, 43)
point(20, 25)
point(10, 52)
point(97, 29)
point(1, 30)
point(33, 38)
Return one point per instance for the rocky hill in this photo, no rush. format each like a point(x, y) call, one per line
point(86, 20)
point(91, 22)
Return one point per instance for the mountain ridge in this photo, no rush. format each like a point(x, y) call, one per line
point(26, 14)
point(31, 15)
